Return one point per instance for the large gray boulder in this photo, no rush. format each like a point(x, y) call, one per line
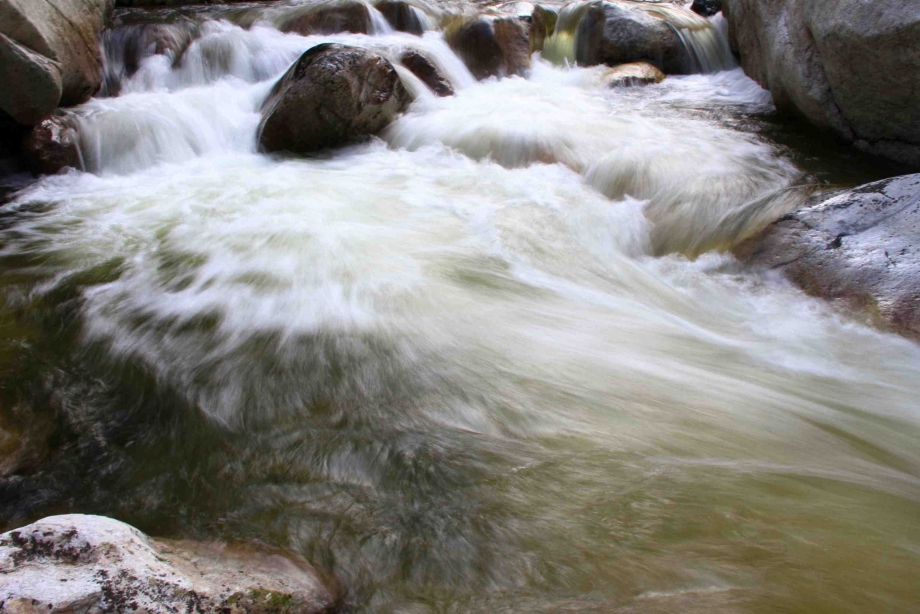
point(621, 33)
point(49, 55)
point(332, 95)
point(851, 66)
point(80, 564)
point(860, 248)
point(493, 46)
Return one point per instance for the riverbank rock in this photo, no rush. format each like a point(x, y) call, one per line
point(493, 46)
point(77, 563)
point(402, 16)
point(860, 248)
point(542, 26)
point(848, 66)
point(614, 33)
point(706, 8)
point(49, 55)
point(332, 95)
point(422, 67)
point(52, 145)
point(330, 18)
point(632, 75)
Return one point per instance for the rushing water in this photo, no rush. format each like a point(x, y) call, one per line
point(489, 362)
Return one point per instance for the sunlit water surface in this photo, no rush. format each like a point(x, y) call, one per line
point(494, 361)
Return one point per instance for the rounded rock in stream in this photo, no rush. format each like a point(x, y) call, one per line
point(860, 248)
point(52, 145)
point(332, 95)
point(493, 47)
point(634, 74)
point(615, 34)
point(422, 67)
point(80, 563)
point(333, 18)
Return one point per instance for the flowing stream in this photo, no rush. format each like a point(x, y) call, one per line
point(497, 360)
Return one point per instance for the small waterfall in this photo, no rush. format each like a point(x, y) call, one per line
point(379, 26)
point(560, 48)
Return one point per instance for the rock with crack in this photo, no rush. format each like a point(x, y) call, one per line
point(845, 65)
point(332, 95)
point(79, 564)
point(860, 248)
point(49, 55)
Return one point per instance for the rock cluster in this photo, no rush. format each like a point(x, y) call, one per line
point(79, 564)
point(860, 248)
point(493, 46)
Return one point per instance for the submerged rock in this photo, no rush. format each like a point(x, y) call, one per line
point(634, 74)
point(332, 95)
point(330, 18)
point(615, 33)
point(422, 67)
point(860, 247)
point(77, 563)
point(542, 26)
point(402, 16)
point(493, 46)
point(52, 145)
point(852, 67)
point(49, 55)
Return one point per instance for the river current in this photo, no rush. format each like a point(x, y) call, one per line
point(499, 359)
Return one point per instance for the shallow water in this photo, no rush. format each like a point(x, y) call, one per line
point(490, 362)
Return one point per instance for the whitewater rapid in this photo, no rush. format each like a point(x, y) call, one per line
point(498, 356)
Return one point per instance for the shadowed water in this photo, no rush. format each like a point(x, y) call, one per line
point(488, 362)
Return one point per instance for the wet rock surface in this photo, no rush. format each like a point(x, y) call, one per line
point(334, 18)
point(706, 8)
point(616, 34)
point(332, 95)
point(851, 67)
point(422, 67)
point(633, 75)
point(493, 46)
point(77, 563)
point(49, 55)
point(402, 16)
point(52, 146)
point(860, 248)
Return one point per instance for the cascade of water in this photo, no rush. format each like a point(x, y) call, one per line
point(705, 44)
point(560, 48)
point(379, 24)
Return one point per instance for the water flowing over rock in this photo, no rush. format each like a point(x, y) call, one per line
point(402, 16)
point(77, 563)
point(332, 95)
point(128, 46)
point(493, 46)
point(52, 145)
point(422, 67)
point(860, 248)
point(330, 18)
point(852, 67)
point(630, 75)
point(49, 54)
point(542, 26)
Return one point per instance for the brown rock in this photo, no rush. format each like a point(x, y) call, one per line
point(634, 74)
point(493, 46)
point(423, 68)
point(402, 16)
point(52, 145)
point(330, 19)
point(332, 95)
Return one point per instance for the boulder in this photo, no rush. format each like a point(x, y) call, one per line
point(635, 74)
point(332, 95)
point(706, 8)
point(77, 563)
point(621, 33)
point(422, 67)
point(860, 248)
point(330, 18)
point(49, 55)
point(402, 16)
point(542, 26)
point(493, 46)
point(845, 65)
point(52, 145)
